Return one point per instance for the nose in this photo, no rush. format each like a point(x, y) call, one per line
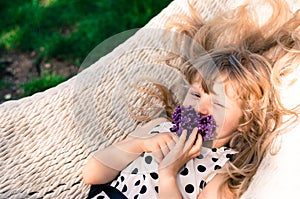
point(204, 105)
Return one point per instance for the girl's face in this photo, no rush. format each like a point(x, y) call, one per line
point(223, 106)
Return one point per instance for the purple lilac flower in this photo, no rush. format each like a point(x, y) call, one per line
point(187, 118)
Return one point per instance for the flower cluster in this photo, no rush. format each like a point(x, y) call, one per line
point(187, 118)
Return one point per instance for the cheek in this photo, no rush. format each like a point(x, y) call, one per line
point(190, 101)
point(227, 123)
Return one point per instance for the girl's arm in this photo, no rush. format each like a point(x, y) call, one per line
point(168, 187)
point(107, 163)
point(181, 152)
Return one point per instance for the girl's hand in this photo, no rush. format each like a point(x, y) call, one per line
point(159, 144)
point(183, 151)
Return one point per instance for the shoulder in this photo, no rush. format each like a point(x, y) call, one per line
point(211, 189)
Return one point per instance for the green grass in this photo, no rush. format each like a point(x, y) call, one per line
point(47, 80)
point(69, 29)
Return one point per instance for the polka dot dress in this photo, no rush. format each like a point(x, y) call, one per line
point(140, 178)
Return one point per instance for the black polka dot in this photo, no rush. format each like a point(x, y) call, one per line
point(172, 130)
point(137, 183)
point(154, 132)
point(142, 155)
point(117, 184)
point(226, 149)
point(135, 171)
point(214, 149)
point(144, 177)
point(189, 188)
point(143, 189)
point(200, 156)
point(217, 167)
point(202, 184)
point(229, 156)
point(201, 168)
point(214, 159)
point(148, 159)
point(184, 172)
point(154, 175)
point(136, 196)
point(122, 178)
point(156, 189)
point(124, 188)
point(100, 197)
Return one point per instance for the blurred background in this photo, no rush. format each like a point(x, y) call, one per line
point(44, 42)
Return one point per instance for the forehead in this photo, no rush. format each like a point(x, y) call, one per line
point(196, 83)
point(221, 87)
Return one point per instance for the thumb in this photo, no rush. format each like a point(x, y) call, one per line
point(196, 148)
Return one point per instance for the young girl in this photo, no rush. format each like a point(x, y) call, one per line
point(233, 86)
point(277, 39)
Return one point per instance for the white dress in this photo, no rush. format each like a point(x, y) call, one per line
point(140, 178)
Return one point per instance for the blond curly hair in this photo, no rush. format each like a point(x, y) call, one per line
point(256, 57)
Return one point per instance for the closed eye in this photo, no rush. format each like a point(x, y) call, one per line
point(195, 94)
point(219, 104)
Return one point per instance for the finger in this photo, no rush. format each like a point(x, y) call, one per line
point(168, 144)
point(199, 140)
point(182, 139)
point(165, 149)
point(191, 139)
point(158, 155)
point(172, 143)
point(196, 148)
point(176, 138)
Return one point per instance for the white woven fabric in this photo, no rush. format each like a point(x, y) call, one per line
point(45, 139)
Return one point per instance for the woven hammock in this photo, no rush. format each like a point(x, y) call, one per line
point(47, 138)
